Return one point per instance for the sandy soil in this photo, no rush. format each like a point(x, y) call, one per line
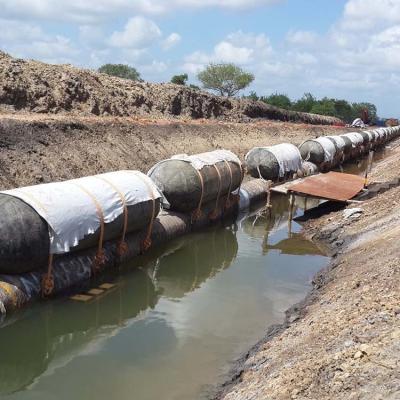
point(343, 341)
point(39, 148)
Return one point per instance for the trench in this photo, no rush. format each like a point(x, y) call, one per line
point(176, 319)
point(174, 322)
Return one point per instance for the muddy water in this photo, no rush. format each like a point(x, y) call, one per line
point(172, 325)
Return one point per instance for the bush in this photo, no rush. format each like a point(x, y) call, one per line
point(121, 71)
point(179, 79)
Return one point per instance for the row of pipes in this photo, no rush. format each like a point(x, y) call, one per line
point(56, 236)
point(285, 161)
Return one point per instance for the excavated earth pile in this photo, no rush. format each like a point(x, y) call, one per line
point(43, 88)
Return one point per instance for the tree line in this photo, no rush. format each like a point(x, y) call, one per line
point(339, 108)
point(227, 79)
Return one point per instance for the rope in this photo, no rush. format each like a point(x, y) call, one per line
point(122, 247)
point(100, 257)
point(214, 214)
point(197, 213)
point(146, 243)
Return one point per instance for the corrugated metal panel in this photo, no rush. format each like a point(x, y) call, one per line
point(332, 186)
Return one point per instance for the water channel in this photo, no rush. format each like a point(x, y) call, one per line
point(174, 322)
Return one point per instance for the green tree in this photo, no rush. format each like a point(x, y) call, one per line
point(278, 100)
point(343, 110)
point(305, 104)
point(226, 78)
point(180, 79)
point(324, 107)
point(252, 96)
point(121, 71)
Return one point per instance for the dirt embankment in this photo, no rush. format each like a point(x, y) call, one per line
point(41, 149)
point(343, 342)
point(63, 89)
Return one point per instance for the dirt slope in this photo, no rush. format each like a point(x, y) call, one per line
point(37, 148)
point(343, 342)
point(43, 88)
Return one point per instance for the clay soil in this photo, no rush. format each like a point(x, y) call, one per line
point(38, 148)
point(343, 341)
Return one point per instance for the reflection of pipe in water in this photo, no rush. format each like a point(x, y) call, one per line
point(205, 256)
point(46, 336)
point(263, 222)
point(296, 245)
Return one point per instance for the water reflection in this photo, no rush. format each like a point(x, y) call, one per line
point(61, 330)
point(172, 323)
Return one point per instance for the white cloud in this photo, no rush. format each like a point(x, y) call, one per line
point(138, 33)
point(238, 47)
point(171, 41)
point(301, 37)
point(91, 11)
point(48, 48)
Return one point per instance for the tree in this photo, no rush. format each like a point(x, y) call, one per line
point(324, 107)
point(278, 100)
point(252, 96)
point(344, 110)
point(121, 71)
point(227, 79)
point(305, 104)
point(180, 79)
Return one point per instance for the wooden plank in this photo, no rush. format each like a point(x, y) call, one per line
point(95, 292)
point(81, 297)
point(107, 286)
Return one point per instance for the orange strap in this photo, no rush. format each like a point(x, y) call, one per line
point(227, 203)
point(122, 246)
point(100, 256)
point(146, 244)
point(197, 213)
point(48, 279)
point(215, 212)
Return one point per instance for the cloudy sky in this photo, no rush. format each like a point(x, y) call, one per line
point(338, 48)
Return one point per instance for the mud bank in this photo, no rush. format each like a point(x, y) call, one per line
point(42, 148)
point(343, 340)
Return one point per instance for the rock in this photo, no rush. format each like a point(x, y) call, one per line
point(352, 213)
point(358, 354)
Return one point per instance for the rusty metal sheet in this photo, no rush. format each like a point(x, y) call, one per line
point(332, 186)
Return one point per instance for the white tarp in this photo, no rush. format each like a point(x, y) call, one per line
point(355, 137)
point(358, 123)
point(329, 148)
point(370, 135)
point(287, 155)
point(340, 143)
point(71, 212)
point(199, 161)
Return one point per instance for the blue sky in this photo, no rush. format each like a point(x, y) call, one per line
point(338, 48)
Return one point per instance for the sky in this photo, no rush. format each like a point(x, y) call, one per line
point(337, 48)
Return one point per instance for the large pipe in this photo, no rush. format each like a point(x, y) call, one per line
point(71, 270)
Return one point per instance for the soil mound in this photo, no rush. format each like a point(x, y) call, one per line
point(34, 86)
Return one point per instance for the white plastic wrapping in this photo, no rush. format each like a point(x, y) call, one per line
point(340, 143)
point(355, 137)
point(329, 148)
point(70, 211)
point(287, 155)
point(199, 161)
